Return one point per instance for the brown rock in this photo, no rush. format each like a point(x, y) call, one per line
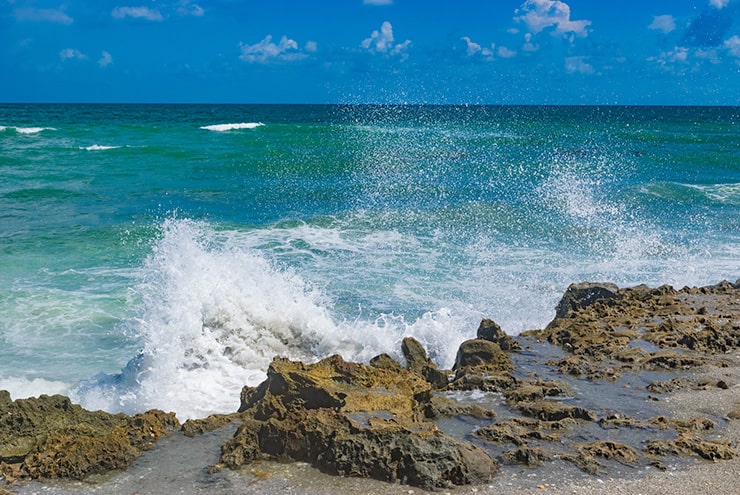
point(418, 362)
point(489, 330)
point(353, 420)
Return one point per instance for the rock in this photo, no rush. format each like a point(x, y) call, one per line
point(687, 444)
point(353, 420)
point(610, 450)
point(384, 361)
point(554, 411)
point(489, 330)
point(418, 362)
point(527, 456)
point(584, 294)
point(49, 437)
point(193, 427)
point(481, 357)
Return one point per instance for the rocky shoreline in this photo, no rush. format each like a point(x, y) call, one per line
point(589, 390)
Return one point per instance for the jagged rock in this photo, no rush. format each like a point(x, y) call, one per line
point(584, 294)
point(384, 361)
point(193, 427)
point(489, 330)
point(528, 456)
point(418, 362)
point(481, 357)
point(443, 407)
point(554, 411)
point(687, 444)
point(49, 437)
point(519, 431)
point(610, 450)
point(353, 420)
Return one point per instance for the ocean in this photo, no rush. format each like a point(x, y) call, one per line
point(159, 256)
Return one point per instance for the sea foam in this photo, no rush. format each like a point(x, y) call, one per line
point(231, 127)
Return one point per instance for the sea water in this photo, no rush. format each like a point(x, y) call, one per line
point(162, 255)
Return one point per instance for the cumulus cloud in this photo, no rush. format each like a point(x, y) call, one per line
point(137, 13)
point(474, 48)
point(267, 51)
point(539, 15)
point(720, 4)
point(383, 42)
point(105, 59)
point(733, 46)
point(57, 16)
point(578, 65)
point(187, 7)
point(504, 52)
point(72, 54)
point(664, 23)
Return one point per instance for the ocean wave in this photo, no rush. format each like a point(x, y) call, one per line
point(27, 130)
point(98, 147)
point(231, 127)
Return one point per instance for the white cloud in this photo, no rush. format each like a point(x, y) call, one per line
point(72, 54)
point(720, 4)
point(664, 23)
point(528, 45)
point(504, 52)
point(541, 14)
point(733, 46)
point(266, 51)
point(377, 2)
point(311, 47)
point(578, 65)
point(105, 59)
point(187, 7)
point(382, 42)
point(137, 13)
point(57, 16)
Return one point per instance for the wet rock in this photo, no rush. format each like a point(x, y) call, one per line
point(481, 357)
point(584, 294)
point(418, 362)
point(554, 411)
point(519, 431)
point(384, 361)
point(610, 450)
point(444, 407)
point(353, 420)
point(528, 456)
point(50, 437)
point(489, 330)
point(687, 444)
point(193, 427)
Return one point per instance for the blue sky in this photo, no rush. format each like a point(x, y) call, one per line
point(676, 52)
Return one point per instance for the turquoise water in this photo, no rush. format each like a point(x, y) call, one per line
point(160, 256)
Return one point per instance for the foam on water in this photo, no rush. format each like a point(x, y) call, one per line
point(231, 127)
point(98, 147)
point(215, 314)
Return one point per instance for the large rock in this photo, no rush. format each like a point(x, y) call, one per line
point(418, 362)
point(490, 330)
point(353, 420)
point(584, 294)
point(49, 437)
point(481, 357)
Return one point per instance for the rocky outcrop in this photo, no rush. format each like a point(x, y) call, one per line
point(49, 437)
point(354, 420)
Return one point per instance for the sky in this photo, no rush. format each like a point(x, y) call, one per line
point(605, 52)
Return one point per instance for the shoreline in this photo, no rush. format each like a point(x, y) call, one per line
point(699, 383)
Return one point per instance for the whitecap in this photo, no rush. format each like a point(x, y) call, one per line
point(32, 130)
point(98, 147)
point(231, 127)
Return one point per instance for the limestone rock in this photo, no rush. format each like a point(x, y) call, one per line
point(584, 294)
point(489, 330)
point(354, 420)
point(49, 437)
point(418, 362)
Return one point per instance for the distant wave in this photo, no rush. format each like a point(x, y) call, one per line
point(98, 147)
point(27, 130)
point(231, 127)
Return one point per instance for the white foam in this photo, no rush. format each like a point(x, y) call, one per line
point(98, 147)
point(231, 127)
point(23, 388)
point(32, 130)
